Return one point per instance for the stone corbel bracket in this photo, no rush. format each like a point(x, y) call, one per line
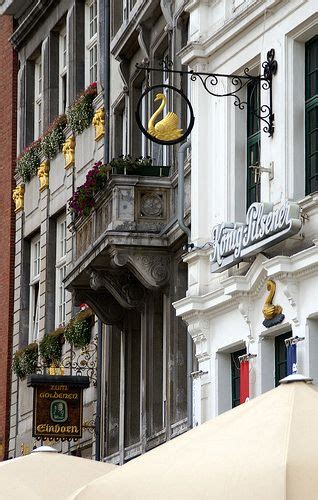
point(153, 271)
point(43, 175)
point(102, 303)
point(128, 293)
point(290, 289)
point(198, 328)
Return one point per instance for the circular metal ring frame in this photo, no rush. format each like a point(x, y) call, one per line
point(146, 133)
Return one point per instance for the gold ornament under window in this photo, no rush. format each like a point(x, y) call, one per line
point(18, 197)
point(167, 128)
point(56, 369)
point(43, 175)
point(99, 123)
point(69, 151)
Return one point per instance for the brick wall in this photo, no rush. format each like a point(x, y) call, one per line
point(8, 101)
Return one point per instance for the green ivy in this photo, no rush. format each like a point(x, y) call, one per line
point(51, 346)
point(79, 330)
point(25, 360)
point(81, 112)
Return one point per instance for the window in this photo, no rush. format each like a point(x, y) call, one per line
point(60, 271)
point(253, 144)
point(38, 97)
point(281, 357)
point(120, 129)
point(62, 71)
point(311, 115)
point(91, 42)
point(235, 376)
point(34, 289)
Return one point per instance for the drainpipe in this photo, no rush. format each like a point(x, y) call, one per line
point(99, 424)
point(181, 155)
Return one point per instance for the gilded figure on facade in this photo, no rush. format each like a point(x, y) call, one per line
point(167, 128)
point(272, 314)
point(18, 197)
point(69, 151)
point(99, 123)
point(43, 175)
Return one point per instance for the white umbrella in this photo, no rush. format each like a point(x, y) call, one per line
point(46, 474)
point(266, 449)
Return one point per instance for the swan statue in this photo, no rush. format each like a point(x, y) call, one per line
point(269, 310)
point(167, 128)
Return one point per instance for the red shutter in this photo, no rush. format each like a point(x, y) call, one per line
point(244, 381)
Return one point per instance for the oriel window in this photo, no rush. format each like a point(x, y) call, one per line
point(253, 144)
point(311, 115)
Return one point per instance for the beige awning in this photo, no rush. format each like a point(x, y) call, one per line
point(266, 449)
point(47, 475)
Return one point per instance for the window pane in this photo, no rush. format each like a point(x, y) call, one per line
point(311, 115)
point(281, 357)
point(235, 372)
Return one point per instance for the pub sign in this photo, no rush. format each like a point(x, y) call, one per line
point(57, 406)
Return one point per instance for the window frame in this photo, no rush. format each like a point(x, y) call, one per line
point(280, 339)
point(34, 286)
point(253, 139)
point(38, 89)
point(235, 375)
point(60, 271)
point(91, 43)
point(63, 70)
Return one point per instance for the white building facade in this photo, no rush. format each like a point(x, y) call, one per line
point(224, 310)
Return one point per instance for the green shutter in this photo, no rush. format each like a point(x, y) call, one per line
point(311, 115)
point(235, 375)
point(253, 142)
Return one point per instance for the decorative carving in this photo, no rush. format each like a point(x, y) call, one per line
point(43, 175)
point(124, 288)
point(69, 152)
point(290, 290)
point(198, 328)
point(272, 314)
point(151, 270)
point(99, 123)
point(18, 197)
point(151, 205)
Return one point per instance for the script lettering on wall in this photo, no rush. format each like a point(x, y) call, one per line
point(264, 228)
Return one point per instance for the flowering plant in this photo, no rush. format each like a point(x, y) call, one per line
point(83, 200)
point(28, 161)
point(54, 137)
point(81, 112)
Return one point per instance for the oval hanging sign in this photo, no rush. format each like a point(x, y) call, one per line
point(156, 119)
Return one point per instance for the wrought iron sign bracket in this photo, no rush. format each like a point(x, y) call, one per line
point(210, 83)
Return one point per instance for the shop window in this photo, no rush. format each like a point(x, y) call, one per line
point(311, 115)
point(281, 357)
point(91, 68)
point(60, 271)
point(235, 376)
point(38, 108)
point(253, 144)
point(34, 289)
point(62, 71)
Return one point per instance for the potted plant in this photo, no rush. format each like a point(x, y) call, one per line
point(78, 331)
point(54, 138)
point(81, 112)
point(51, 346)
point(25, 360)
point(28, 161)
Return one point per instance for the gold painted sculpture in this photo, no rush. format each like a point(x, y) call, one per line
point(43, 175)
point(167, 128)
point(269, 310)
point(69, 151)
point(99, 123)
point(18, 197)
